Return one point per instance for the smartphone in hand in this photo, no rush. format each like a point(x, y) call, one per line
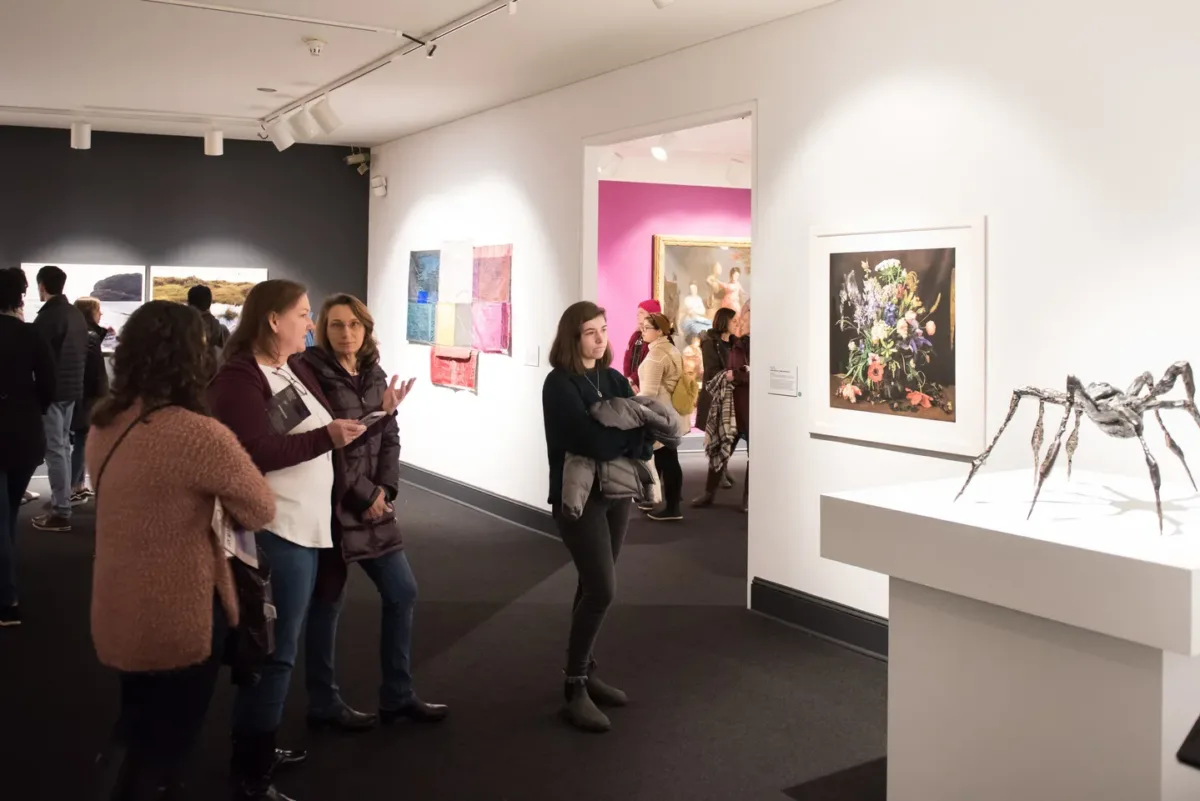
point(368, 419)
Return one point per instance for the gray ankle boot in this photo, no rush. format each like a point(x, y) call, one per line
point(602, 693)
point(579, 710)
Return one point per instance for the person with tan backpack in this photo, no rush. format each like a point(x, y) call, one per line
point(661, 376)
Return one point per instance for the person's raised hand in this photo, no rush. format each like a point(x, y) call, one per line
point(393, 396)
point(343, 432)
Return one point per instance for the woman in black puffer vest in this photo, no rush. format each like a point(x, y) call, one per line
point(365, 529)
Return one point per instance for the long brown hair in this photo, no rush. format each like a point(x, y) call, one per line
point(253, 332)
point(161, 359)
point(564, 353)
point(368, 354)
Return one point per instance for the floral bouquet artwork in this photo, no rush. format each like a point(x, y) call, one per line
point(888, 358)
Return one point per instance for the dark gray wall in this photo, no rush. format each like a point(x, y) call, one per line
point(158, 200)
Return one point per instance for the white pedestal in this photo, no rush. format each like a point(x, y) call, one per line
point(1056, 658)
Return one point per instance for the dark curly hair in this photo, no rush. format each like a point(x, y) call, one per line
point(162, 359)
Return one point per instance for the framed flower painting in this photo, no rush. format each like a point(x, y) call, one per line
point(898, 333)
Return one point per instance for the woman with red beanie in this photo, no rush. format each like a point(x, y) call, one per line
point(637, 348)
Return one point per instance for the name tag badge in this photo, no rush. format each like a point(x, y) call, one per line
point(286, 410)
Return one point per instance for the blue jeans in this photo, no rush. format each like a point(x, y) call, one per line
point(397, 587)
point(57, 424)
point(12, 488)
point(259, 708)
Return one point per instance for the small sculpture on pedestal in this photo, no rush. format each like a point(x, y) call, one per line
point(1117, 414)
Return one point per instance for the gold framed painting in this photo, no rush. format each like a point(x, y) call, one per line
point(695, 276)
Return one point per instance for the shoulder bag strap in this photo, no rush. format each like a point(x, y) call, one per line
point(141, 418)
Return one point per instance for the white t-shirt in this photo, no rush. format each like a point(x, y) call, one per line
point(303, 492)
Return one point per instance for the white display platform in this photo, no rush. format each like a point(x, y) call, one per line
point(1056, 658)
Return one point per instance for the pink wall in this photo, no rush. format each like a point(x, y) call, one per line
point(630, 215)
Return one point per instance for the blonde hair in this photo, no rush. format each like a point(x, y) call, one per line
point(90, 308)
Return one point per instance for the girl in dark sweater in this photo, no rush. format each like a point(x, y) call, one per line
point(581, 376)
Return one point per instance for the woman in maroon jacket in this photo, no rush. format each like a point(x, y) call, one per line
point(269, 397)
point(365, 528)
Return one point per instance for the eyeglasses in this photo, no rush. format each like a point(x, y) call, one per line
point(297, 385)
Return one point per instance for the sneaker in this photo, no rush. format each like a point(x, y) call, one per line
point(29, 496)
point(52, 522)
point(10, 616)
point(667, 514)
point(81, 497)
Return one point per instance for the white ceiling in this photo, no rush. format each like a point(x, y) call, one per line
point(98, 59)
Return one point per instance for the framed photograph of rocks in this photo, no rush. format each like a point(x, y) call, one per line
point(119, 288)
point(898, 352)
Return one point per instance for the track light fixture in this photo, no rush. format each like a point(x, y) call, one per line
point(81, 136)
point(280, 134)
point(661, 150)
point(379, 186)
point(432, 49)
point(322, 111)
point(304, 126)
point(214, 143)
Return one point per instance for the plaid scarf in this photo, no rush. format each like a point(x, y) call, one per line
point(720, 430)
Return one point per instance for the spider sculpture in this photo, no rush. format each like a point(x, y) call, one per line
point(1117, 414)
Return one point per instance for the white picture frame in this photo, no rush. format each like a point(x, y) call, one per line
point(965, 432)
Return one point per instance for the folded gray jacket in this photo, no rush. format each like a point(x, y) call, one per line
point(623, 477)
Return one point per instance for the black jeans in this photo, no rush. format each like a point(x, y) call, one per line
point(666, 461)
point(13, 484)
point(163, 712)
point(594, 541)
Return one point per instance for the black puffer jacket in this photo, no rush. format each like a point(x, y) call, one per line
point(26, 390)
point(366, 467)
point(64, 327)
point(95, 380)
point(715, 353)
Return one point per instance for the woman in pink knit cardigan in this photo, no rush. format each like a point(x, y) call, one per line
point(162, 592)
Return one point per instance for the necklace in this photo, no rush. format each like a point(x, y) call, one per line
point(596, 384)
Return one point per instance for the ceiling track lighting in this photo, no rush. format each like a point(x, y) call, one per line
point(322, 111)
point(304, 126)
point(428, 43)
point(661, 150)
point(81, 136)
point(280, 134)
point(214, 143)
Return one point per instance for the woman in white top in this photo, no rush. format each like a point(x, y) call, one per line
point(658, 376)
point(268, 395)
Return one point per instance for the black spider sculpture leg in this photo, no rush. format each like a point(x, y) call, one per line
point(1155, 479)
point(1043, 395)
point(1075, 391)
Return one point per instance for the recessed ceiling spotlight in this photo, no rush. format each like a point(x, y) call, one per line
point(266, 89)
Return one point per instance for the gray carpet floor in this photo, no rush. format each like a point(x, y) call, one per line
point(728, 705)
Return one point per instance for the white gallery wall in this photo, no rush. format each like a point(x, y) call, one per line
point(1072, 124)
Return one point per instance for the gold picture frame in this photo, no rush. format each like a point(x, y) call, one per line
point(728, 251)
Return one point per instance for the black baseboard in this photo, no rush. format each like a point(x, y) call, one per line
point(512, 511)
point(832, 621)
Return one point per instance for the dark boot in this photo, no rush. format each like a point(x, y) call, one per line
point(251, 768)
point(604, 694)
point(669, 512)
point(710, 490)
point(580, 711)
point(122, 776)
point(727, 480)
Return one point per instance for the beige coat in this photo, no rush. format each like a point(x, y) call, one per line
point(659, 374)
